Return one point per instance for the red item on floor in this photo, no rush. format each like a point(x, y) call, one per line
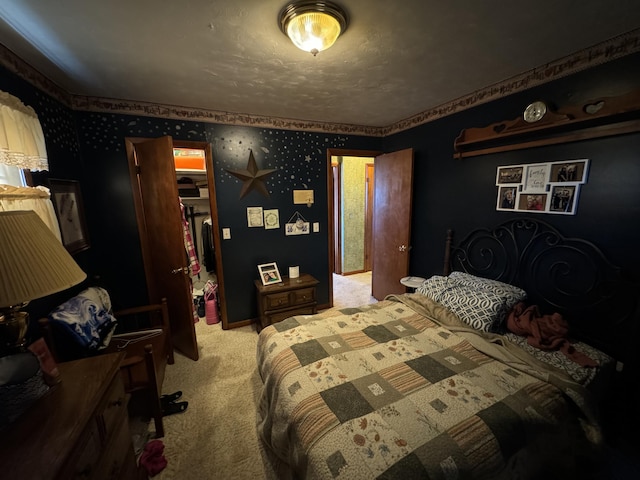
point(152, 458)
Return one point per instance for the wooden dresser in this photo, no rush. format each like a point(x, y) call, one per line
point(78, 430)
point(293, 296)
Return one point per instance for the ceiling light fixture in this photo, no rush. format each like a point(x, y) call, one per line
point(313, 26)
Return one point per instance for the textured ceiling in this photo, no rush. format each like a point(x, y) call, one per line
point(395, 60)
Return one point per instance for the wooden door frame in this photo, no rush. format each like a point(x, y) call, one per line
point(215, 226)
point(213, 206)
point(337, 152)
point(368, 216)
point(337, 234)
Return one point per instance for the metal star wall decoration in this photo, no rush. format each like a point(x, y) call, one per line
point(252, 177)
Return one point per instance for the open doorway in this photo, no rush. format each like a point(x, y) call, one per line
point(353, 191)
point(391, 225)
point(350, 193)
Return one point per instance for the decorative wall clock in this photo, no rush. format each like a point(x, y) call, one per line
point(534, 112)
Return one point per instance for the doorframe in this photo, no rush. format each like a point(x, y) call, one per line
point(368, 216)
point(215, 226)
point(337, 227)
point(213, 207)
point(337, 152)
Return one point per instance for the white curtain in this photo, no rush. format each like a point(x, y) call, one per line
point(37, 199)
point(21, 138)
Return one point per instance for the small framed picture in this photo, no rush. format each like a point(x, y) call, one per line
point(254, 217)
point(269, 273)
point(563, 199)
point(573, 171)
point(67, 202)
point(536, 178)
point(510, 174)
point(532, 202)
point(271, 219)
point(507, 198)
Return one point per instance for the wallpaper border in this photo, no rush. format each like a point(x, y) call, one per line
point(617, 47)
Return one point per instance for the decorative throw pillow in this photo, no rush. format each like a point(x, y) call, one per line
point(434, 286)
point(481, 303)
point(516, 294)
point(479, 308)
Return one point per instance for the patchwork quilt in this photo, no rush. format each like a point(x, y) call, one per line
point(403, 389)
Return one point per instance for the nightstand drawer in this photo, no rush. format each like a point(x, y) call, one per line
point(117, 451)
point(279, 316)
point(276, 300)
point(290, 297)
point(113, 407)
point(83, 463)
point(304, 295)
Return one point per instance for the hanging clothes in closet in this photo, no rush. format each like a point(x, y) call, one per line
point(192, 257)
point(208, 252)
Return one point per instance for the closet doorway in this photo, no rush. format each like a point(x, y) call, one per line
point(156, 197)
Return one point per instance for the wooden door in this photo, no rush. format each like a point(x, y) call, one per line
point(154, 181)
point(368, 217)
point(393, 199)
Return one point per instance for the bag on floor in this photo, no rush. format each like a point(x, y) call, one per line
point(211, 302)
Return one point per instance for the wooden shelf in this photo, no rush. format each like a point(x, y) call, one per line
point(597, 118)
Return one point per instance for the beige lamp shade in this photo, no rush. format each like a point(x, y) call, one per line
point(33, 262)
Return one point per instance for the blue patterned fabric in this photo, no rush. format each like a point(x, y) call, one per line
point(85, 319)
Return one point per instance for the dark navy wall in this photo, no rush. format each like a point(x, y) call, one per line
point(461, 193)
point(448, 192)
point(298, 158)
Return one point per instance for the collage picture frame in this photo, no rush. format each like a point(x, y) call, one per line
point(551, 188)
point(269, 273)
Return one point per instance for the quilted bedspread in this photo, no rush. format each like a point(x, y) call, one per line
point(402, 389)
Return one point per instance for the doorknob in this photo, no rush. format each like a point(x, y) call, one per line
point(180, 270)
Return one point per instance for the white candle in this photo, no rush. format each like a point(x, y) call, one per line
point(294, 272)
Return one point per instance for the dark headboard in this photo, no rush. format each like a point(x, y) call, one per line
point(566, 275)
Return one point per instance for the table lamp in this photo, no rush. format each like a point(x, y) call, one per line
point(33, 264)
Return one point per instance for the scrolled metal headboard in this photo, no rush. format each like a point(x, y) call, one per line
point(560, 274)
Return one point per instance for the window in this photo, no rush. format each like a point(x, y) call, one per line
point(10, 175)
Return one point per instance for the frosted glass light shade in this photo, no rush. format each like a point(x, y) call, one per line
point(313, 26)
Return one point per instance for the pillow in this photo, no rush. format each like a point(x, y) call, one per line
point(496, 286)
point(481, 303)
point(514, 293)
point(434, 286)
point(478, 307)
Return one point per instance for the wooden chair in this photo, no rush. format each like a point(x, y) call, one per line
point(143, 334)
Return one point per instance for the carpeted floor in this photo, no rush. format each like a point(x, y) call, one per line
point(216, 438)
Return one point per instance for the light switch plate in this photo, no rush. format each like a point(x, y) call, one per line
point(316, 227)
point(226, 233)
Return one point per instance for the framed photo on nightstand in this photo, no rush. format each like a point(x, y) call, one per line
point(269, 273)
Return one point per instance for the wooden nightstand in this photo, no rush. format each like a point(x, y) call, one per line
point(295, 296)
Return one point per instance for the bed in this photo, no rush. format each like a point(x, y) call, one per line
point(436, 384)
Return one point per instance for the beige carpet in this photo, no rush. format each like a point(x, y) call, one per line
point(216, 437)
